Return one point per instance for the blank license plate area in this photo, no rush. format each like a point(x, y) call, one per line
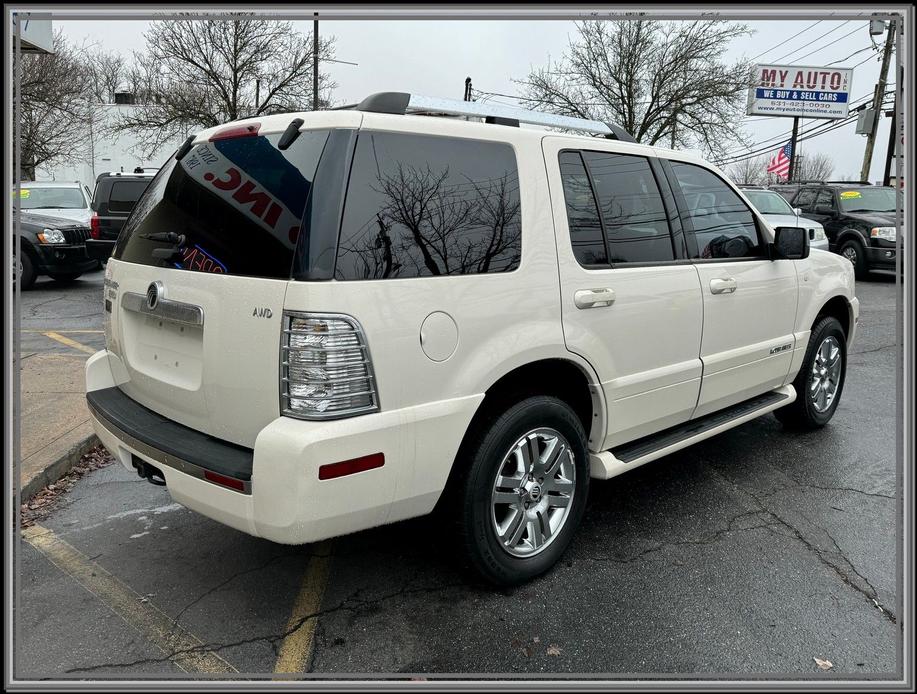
point(167, 351)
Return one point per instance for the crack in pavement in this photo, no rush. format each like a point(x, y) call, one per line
point(784, 487)
point(709, 540)
point(871, 594)
point(874, 349)
point(273, 639)
point(239, 574)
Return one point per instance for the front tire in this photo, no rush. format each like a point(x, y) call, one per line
point(525, 491)
point(854, 251)
point(820, 380)
point(24, 271)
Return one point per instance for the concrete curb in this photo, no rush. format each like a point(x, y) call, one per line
point(60, 467)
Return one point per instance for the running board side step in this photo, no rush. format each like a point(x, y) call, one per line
point(608, 464)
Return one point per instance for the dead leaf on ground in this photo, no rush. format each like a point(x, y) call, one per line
point(823, 664)
point(553, 650)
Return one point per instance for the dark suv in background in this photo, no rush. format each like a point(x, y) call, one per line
point(114, 198)
point(51, 246)
point(859, 221)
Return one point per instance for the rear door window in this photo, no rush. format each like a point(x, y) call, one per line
point(232, 206)
point(631, 206)
point(586, 234)
point(125, 194)
point(806, 198)
point(723, 225)
point(421, 206)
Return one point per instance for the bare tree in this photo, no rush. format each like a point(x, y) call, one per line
point(814, 167)
point(751, 171)
point(666, 83)
point(198, 74)
point(56, 113)
point(107, 73)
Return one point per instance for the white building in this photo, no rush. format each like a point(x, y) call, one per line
point(120, 152)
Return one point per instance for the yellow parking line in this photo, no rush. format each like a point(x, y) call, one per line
point(70, 343)
point(296, 649)
point(129, 605)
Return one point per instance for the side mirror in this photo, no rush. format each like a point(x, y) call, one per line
point(790, 243)
point(797, 211)
point(824, 209)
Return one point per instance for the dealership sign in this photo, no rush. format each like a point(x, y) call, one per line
point(800, 91)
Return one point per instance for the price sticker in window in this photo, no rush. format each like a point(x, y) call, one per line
point(22, 193)
point(851, 195)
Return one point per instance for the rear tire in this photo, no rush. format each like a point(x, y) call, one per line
point(820, 380)
point(524, 492)
point(64, 277)
point(854, 251)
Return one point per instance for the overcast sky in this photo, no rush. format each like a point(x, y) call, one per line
point(434, 57)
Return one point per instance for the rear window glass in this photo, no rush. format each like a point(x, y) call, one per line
point(125, 194)
point(420, 205)
point(231, 206)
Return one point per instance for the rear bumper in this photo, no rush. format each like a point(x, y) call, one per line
point(99, 249)
point(284, 500)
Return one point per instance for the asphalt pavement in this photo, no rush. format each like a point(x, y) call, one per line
point(752, 553)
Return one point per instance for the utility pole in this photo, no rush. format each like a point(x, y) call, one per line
point(877, 100)
point(791, 175)
point(315, 62)
point(257, 95)
point(467, 89)
point(893, 132)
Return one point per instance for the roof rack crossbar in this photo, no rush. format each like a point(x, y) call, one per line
point(402, 103)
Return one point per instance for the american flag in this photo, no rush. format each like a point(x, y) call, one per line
point(780, 163)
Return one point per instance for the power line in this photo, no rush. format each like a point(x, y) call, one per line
point(833, 41)
point(868, 48)
point(830, 31)
point(785, 41)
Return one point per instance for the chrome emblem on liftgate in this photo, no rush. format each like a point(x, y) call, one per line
point(153, 294)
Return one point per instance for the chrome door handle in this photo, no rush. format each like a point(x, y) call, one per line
point(722, 286)
point(593, 298)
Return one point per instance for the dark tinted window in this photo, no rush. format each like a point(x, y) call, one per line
point(825, 197)
point(420, 205)
point(631, 207)
point(723, 225)
point(237, 203)
point(125, 194)
point(806, 198)
point(582, 212)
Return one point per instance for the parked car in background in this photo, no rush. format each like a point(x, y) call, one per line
point(58, 199)
point(114, 197)
point(778, 212)
point(317, 323)
point(51, 246)
point(859, 221)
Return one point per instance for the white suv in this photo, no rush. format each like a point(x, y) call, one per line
point(322, 322)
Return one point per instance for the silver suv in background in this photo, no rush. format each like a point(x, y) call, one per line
point(58, 199)
point(776, 210)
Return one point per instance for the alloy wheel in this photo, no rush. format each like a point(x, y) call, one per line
point(826, 374)
point(533, 492)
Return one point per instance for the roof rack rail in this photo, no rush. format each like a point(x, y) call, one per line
point(859, 183)
point(402, 103)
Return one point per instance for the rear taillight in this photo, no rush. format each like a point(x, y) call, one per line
point(325, 368)
point(94, 228)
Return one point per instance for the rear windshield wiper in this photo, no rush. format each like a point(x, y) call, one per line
point(165, 237)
